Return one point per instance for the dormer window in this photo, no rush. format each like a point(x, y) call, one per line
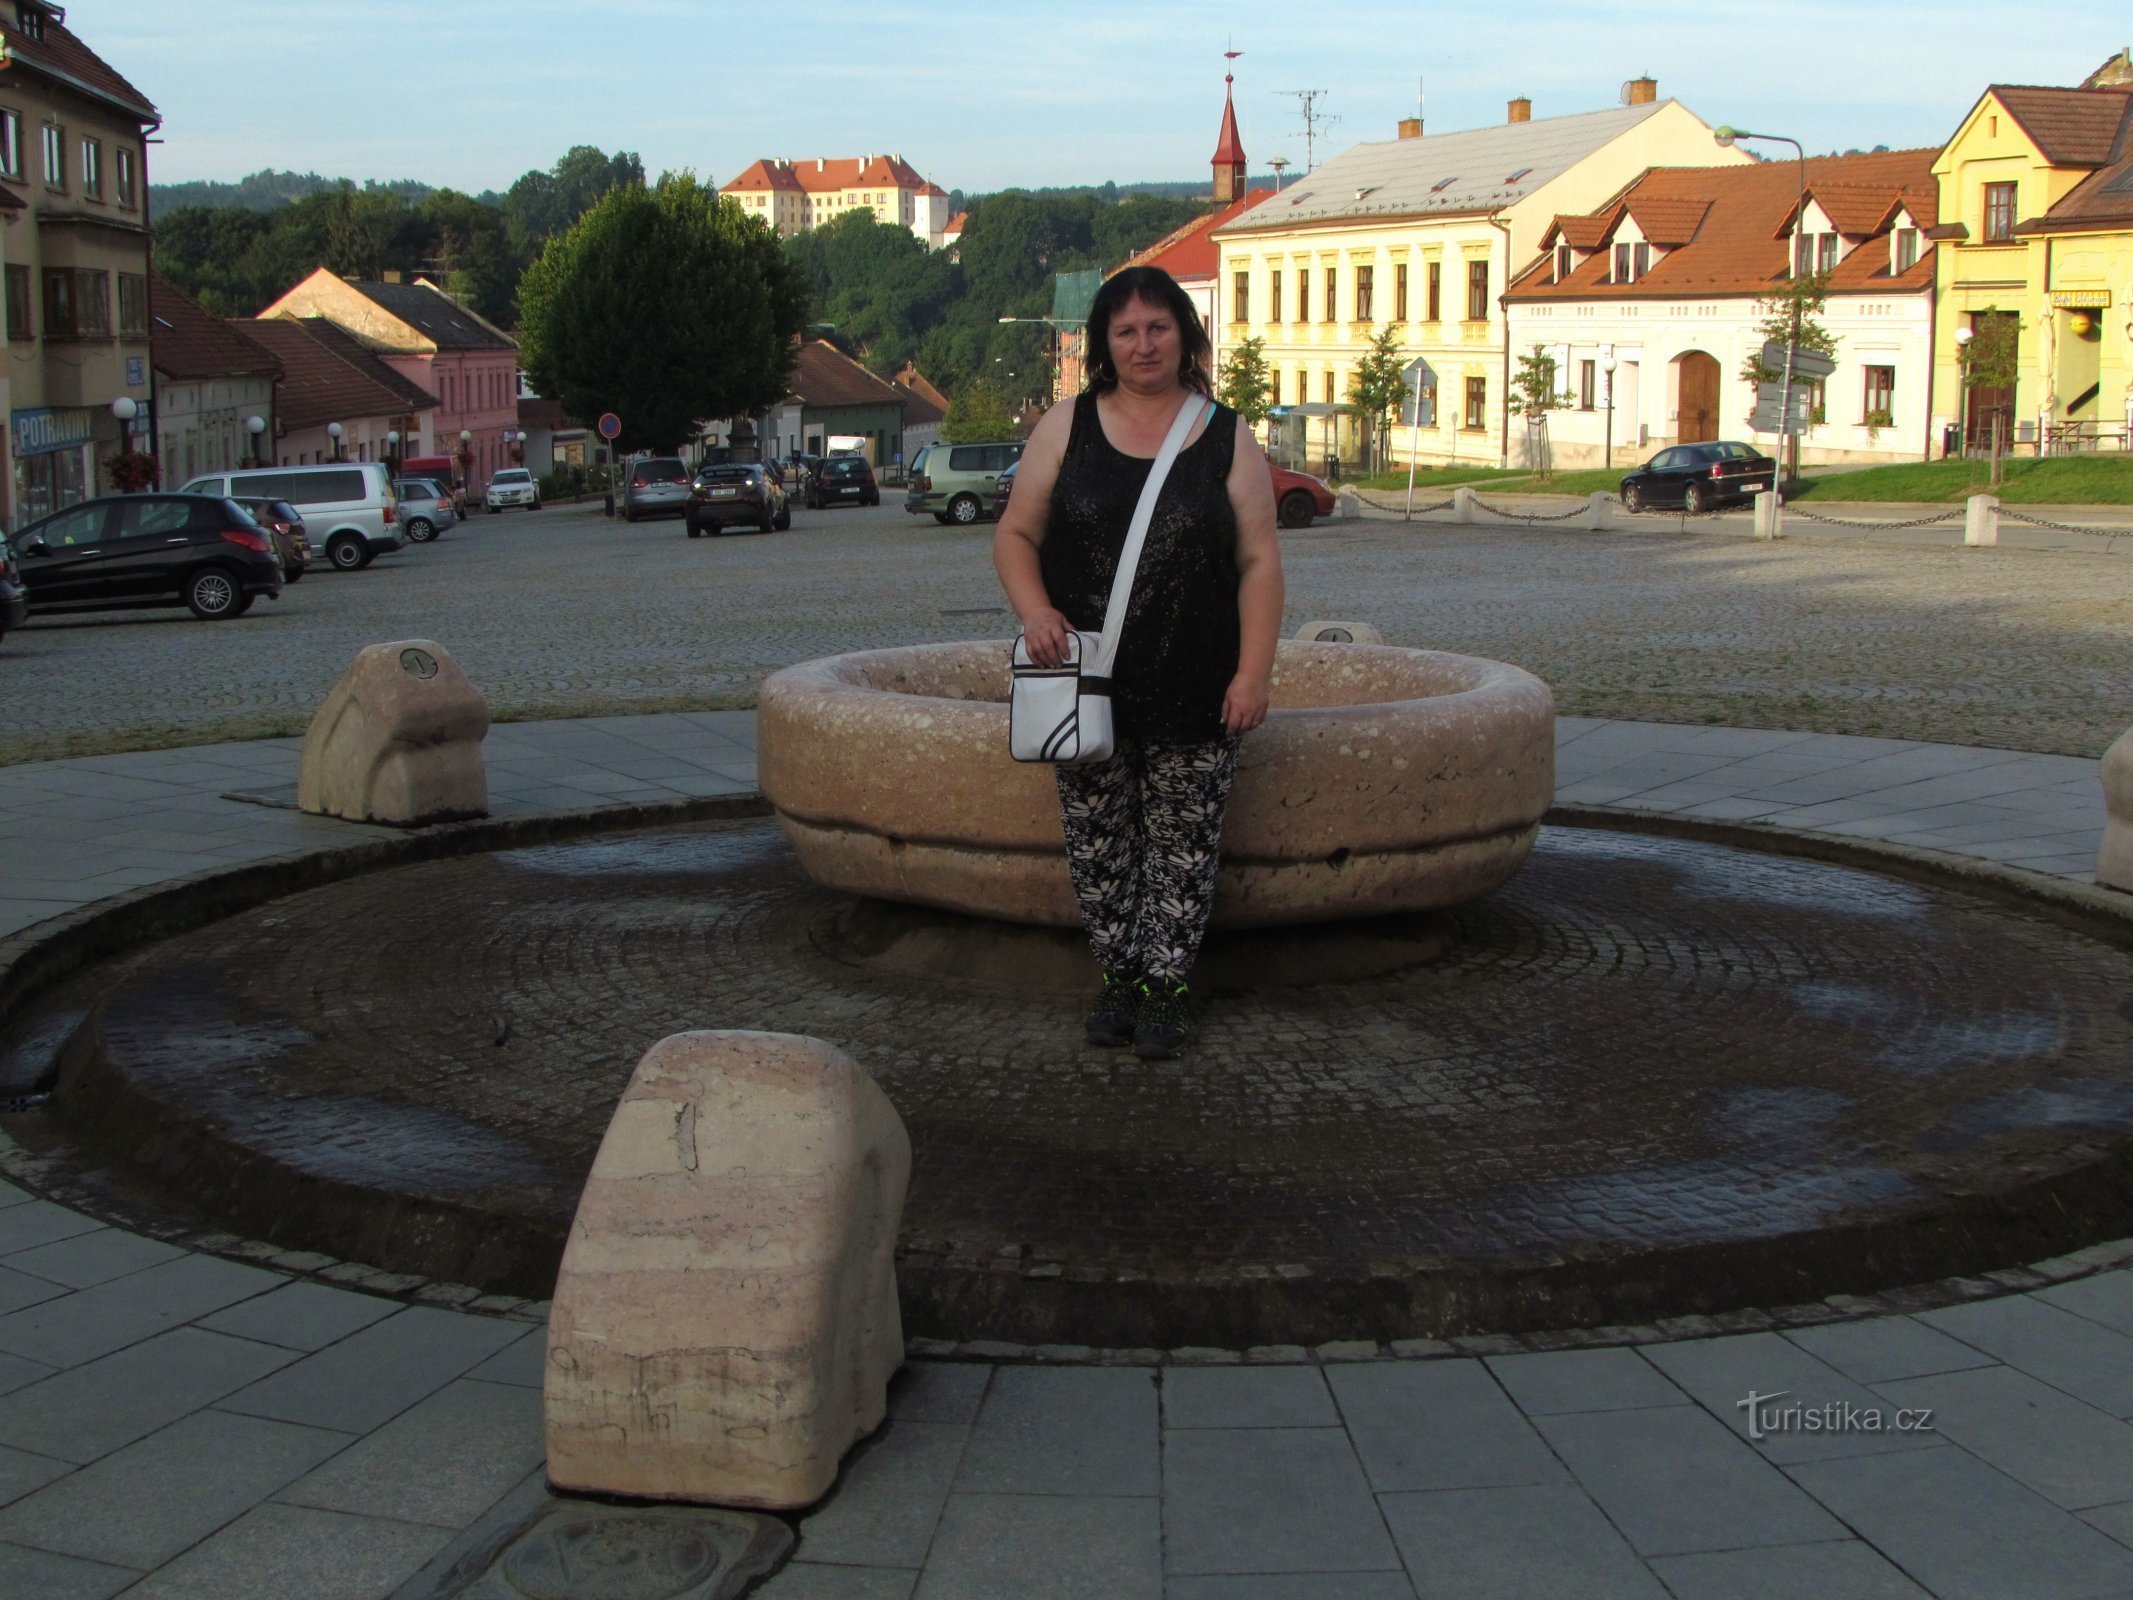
point(1632, 261)
point(1564, 262)
point(1903, 250)
point(30, 18)
point(1825, 251)
point(1813, 253)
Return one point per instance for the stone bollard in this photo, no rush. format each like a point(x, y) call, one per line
point(1981, 520)
point(397, 740)
point(1462, 504)
point(1599, 511)
point(1347, 506)
point(1769, 515)
point(725, 1321)
point(1331, 632)
point(2114, 863)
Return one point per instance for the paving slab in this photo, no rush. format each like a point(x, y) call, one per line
point(2068, 1351)
point(521, 1363)
point(1675, 1479)
point(2072, 1454)
point(176, 1487)
point(1877, 1349)
point(1438, 1425)
point(1512, 1544)
point(1267, 1500)
point(88, 1259)
point(1966, 1531)
point(445, 1460)
point(1292, 1586)
point(1584, 1380)
point(44, 1576)
point(1247, 1397)
point(302, 1316)
point(378, 1372)
point(23, 1227)
point(19, 1289)
point(1721, 1373)
point(278, 1552)
point(938, 1391)
point(21, 1472)
point(94, 1322)
point(90, 1410)
point(1064, 1430)
point(1845, 1570)
point(887, 1498)
point(2106, 1297)
point(1045, 1547)
point(814, 1580)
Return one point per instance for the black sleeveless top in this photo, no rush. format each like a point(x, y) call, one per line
point(1178, 651)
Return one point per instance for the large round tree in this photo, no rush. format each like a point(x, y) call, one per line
point(665, 305)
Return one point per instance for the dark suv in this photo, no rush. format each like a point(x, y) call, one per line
point(131, 550)
point(738, 493)
point(841, 480)
point(1697, 477)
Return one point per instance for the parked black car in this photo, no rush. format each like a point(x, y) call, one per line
point(726, 496)
point(14, 598)
point(843, 480)
point(132, 550)
point(1697, 477)
point(286, 523)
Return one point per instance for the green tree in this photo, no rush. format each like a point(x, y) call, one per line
point(979, 414)
point(1990, 359)
point(1246, 384)
point(1790, 313)
point(1533, 396)
point(1378, 386)
point(665, 305)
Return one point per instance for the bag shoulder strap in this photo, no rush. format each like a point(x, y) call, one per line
point(1129, 559)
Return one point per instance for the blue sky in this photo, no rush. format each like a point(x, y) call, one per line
point(978, 96)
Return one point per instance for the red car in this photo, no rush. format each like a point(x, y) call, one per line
point(1298, 497)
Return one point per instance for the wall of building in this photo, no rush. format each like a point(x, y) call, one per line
point(200, 426)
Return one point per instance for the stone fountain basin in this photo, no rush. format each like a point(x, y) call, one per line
point(1384, 780)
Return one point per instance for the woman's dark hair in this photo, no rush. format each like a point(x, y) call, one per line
point(1155, 287)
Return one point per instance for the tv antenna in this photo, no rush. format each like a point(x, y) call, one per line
point(1314, 120)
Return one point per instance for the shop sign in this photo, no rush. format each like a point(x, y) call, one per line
point(41, 430)
point(2081, 299)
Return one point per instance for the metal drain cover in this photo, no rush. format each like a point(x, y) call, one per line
point(596, 1552)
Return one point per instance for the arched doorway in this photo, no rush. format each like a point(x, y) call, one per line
point(1695, 397)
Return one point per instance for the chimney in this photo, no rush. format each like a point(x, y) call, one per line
point(1642, 91)
point(390, 277)
point(820, 163)
point(1521, 110)
point(1410, 127)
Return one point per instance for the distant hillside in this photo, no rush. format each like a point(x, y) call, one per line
point(1112, 193)
point(269, 190)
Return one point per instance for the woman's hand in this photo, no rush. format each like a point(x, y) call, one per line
point(1244, 706)
point(1045, 631)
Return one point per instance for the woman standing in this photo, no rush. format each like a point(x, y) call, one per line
point(1196, 655)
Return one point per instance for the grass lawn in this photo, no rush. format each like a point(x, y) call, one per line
point(2057, 480)
point(1435, 478)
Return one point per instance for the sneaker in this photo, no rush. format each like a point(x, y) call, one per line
point(1117, 1009)
point(1166, 1023)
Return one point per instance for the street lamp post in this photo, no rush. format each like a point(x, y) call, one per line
point(1728, 137)
point(466, 459)
point(333, 432)
point(255, 426)
point(392, 451)
point(1607, 366)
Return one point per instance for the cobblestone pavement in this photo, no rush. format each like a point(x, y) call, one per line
point(565, 613)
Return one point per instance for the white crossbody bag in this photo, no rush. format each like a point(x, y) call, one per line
point(1062, 714)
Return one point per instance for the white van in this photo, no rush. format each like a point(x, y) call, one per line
point(348, 507)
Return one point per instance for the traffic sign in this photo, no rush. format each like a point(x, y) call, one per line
point(1807, 364)
point(609, 425)
point(1418, 406)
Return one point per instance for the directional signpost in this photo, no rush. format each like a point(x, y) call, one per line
point(1774, 397)
point(610, 427)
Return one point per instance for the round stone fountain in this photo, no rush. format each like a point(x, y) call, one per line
point(1385, 780)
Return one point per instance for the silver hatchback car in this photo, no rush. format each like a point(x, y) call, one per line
point(654, 486)
point(425, 508)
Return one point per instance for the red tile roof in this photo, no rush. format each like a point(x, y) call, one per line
point(2070, 127)
point(826, 175)
point(2104, 199)
point(824, 376)
point(1190, 252)
point(187, 341)
point(1666, 220)
point(957, 223)
point(1738, 247)
point(60, 55)
point(327, 376)
point(927, 403)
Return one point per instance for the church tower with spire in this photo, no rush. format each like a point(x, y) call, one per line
point(1229, 150)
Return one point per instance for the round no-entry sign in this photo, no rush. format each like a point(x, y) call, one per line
point(609, 425)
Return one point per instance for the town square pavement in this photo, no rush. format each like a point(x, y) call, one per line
point(202, 1416)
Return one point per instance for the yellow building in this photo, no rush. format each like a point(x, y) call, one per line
point(2036, 224)
point(1424, 234)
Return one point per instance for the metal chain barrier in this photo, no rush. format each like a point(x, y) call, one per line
point(2063, 527)
point(1794, 509)
point(1577, 510)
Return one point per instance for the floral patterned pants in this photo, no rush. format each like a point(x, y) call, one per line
point(1142, 831)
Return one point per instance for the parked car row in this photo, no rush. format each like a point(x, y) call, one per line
point(965, 483)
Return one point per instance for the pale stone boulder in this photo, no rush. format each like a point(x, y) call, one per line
point(2114, 863)
point(398, 740)
point(725, 1322)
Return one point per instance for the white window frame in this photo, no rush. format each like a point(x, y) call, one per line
point(55, 156)
point(10, 144)
point(92, 168)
